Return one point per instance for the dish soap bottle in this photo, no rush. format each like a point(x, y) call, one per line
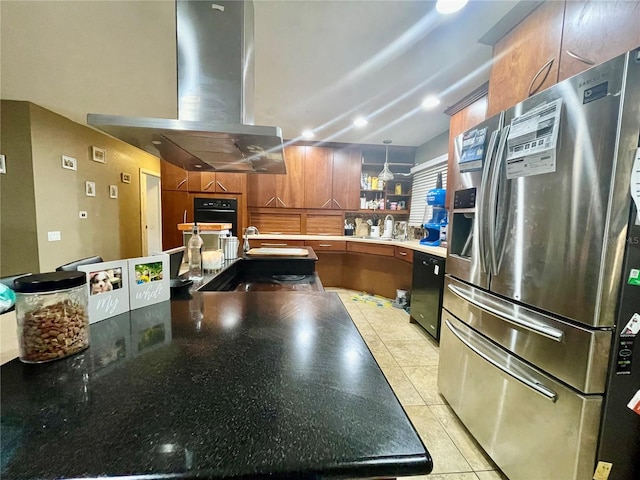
point(195, 254)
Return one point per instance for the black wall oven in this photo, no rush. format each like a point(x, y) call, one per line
point(217, 210)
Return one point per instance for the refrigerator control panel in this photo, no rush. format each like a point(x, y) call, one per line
point(464, 198)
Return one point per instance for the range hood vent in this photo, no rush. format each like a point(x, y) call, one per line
point(214, 130)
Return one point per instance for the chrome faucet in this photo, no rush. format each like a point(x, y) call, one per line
point(247, 231)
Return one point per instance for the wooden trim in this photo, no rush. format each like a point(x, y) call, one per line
point(474, 96)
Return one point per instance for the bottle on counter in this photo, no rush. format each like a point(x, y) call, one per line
point(195, 253)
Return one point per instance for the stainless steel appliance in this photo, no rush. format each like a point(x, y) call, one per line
point(217, 210)
point(214, 130)
point(539, 287)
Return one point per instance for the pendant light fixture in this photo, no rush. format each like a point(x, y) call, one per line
point(386, 174)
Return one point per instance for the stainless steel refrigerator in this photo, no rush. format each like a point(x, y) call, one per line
point(536, 355)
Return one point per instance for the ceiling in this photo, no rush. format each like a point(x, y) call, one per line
point(319, 64)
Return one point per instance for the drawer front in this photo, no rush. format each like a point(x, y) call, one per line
point(531, 425)
point(405, 254)
point(255, 243)
point(327, 245)
point(371, 248)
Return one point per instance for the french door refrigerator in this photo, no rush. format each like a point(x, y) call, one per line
point(542, 295)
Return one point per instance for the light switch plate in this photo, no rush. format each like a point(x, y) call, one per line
point(53, 236)
point(82, 214)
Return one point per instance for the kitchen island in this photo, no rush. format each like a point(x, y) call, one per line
point(216, 384)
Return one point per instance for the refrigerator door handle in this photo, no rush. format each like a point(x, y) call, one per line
point(493, 200)
point(524, 322)
point(482, 227)
point(532, 384)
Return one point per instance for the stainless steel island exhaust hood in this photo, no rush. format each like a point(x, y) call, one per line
point(214, 130)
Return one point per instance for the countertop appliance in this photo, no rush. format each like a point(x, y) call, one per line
point(542, 280)
point(217, 210)
point(426, 292)
point(214, 130)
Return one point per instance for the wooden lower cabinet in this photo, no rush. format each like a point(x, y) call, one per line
point(377, 274)
point(371, 248)
point(327, 245)
point(275, 243)
point(403, 253)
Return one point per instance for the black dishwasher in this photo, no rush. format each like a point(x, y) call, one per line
point(426, 292)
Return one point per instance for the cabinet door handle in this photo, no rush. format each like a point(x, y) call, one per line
point(221, 186)
point(181, 183)
point(547, 67)
point(404, 254)
point(274, 244)
point(580, 58)
point(324, 244)
point(208, 185)
point(270, 200)
point(184, 217)
point(280, 200)
point(325, 203)
point(336, 202)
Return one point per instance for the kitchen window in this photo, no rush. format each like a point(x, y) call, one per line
point(424, 179)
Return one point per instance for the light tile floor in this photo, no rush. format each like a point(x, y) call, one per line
point(408, 357)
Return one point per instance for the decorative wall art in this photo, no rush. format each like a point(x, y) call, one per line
point(69, 163)
point(125, 177)
point(99, 154)
point(113, 191)
point(108, 285)
point(90, 189)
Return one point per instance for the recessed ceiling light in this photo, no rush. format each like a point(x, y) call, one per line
point(360, 122)
point(450, 6)
point(308, 134)
point(430, 101)
point(156, 142)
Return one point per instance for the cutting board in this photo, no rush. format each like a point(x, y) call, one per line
point(205, 227)
point(279, 252)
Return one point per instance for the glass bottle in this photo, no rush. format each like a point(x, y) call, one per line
point(195, 254)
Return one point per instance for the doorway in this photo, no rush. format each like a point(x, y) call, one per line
point(150, 212)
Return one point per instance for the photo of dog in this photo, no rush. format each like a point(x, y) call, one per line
point(105, 281)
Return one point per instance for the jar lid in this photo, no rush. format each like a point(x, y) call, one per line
point(49, 282)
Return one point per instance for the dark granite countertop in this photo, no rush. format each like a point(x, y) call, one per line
point(219, 384)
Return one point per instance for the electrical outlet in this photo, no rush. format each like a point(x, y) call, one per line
point(53, 236)
point(82, 214)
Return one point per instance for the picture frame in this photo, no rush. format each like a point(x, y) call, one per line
point(113, 191)
point(149, 280)
point(3, 164)
point(90, 189)
point(108, 289)
point(69, 163)
point(99, 154)
point(125, 177)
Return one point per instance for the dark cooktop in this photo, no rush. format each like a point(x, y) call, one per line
point(290, 282)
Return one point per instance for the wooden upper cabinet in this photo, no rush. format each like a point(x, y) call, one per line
point(596, 31)
point(346, 179)
point(283, 191)
point(173, 177)
point(526, 60)
point(290, 187)
point(216, 182)
point(318, 177)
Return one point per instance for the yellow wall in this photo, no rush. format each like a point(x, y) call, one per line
point(112, 229)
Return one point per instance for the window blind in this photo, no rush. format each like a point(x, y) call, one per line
point(424, 179)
